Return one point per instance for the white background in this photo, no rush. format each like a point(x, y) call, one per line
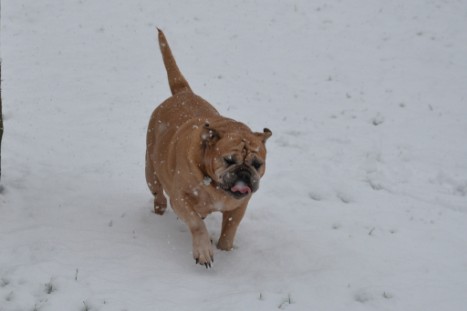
point(364, 202)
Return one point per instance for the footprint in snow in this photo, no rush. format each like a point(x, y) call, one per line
point(344, 197)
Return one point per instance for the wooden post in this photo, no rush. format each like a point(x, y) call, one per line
point(1, 120)
point(1, 114)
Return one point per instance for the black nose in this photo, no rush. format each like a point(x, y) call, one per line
point(244, 176)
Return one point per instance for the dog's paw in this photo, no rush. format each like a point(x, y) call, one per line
point(160, 210)
point(225, 245)
point(208, 265)
point(203, 252)
point(160, 205)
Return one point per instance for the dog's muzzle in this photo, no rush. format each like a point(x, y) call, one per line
point(241, 182)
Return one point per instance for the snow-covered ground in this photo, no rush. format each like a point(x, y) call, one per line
point(364, 202)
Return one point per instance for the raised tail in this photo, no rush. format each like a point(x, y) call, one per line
point(177, 82)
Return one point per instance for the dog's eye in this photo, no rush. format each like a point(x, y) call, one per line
point(229, 161)
point(256, 164)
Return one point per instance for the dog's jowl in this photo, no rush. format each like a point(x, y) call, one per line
point(204, 162)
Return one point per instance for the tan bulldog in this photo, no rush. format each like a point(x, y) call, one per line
point(203, 161)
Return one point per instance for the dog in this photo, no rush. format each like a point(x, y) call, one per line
point(203, 161)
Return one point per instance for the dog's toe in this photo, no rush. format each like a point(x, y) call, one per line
point(203, 253)
point(205, 262)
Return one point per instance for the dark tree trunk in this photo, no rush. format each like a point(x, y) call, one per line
point(1, 120)
point(1, 114)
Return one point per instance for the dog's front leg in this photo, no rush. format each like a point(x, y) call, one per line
point(202, 248)
point(230, 222)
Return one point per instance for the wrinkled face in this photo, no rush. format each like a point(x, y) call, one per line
point(236, 162)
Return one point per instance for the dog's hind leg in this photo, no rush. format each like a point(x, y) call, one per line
point(160, 202)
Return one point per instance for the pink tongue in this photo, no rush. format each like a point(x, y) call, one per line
point(240, 187)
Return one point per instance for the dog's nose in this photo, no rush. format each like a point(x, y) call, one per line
point(244, 176)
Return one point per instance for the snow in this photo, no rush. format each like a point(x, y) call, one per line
point(364, 201)
point(207, 180)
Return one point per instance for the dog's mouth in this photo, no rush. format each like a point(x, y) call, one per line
point(240, 189)
point(239, 184)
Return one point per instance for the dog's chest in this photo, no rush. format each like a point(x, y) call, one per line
point(207, 199)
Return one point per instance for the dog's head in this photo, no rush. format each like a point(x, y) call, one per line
point(234, 157)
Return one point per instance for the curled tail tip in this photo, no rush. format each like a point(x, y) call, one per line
point(162, 39)
point(160, 33)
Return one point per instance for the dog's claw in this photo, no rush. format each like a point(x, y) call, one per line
point(208, 265)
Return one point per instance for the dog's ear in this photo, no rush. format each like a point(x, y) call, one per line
point(209, 136)
point(265, 134)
